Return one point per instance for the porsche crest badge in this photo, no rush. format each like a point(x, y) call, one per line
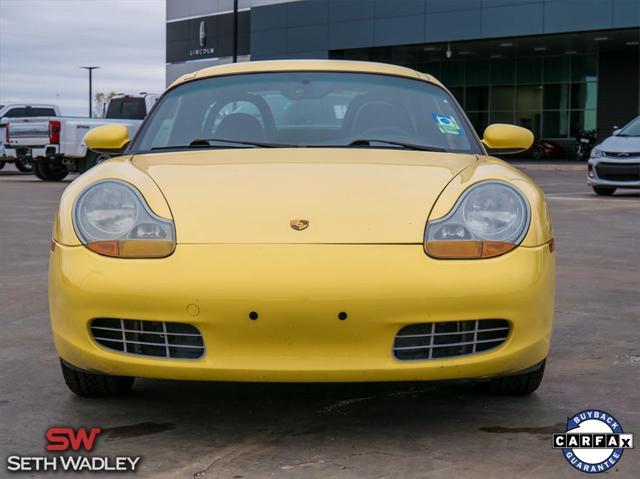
point(299, 224)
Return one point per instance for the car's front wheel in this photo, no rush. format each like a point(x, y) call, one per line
point(604, 190)
point(516, 384)
point(94, 385)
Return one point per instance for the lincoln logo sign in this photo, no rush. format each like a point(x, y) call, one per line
point(203, 34)
point(202, 41)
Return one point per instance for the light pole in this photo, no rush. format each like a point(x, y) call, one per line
point(90, 69)
point(235, 31)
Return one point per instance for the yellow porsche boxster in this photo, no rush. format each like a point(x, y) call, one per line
point(303, 221)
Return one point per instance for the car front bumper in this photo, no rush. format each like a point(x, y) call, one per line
point(618, 173)
point(298, 291)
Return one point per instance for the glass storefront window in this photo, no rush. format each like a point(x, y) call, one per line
point(478, 73)
point(502, 98)
point(583, 96)
point(556, 96)
point(502, 117)
point(553, 96)
point(529, 97)
point(529, 71)
point(477, 98)
point(583, 68)
point(453, 74)
point(557, 69)
point(555, 124)
point(503, 72)
point(582, 120)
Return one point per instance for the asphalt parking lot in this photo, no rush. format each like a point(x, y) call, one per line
point(221, 430)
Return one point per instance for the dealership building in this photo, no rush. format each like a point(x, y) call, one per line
point(553, 66)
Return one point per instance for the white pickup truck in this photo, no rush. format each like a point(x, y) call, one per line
point(55, 145)
point(20, 110)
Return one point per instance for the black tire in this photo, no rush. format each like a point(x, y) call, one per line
point(604, 190)
point(516, 384)
point(90, 160)
point(24, 165)
point(49, 169)
point(2, 163)
point(95, 385)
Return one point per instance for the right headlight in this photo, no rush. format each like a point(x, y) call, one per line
point(596, 153)
point(489, 219)
point(112, 218)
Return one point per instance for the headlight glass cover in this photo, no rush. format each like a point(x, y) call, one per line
point(596, 153)
point(489, 219)
point(112, 218)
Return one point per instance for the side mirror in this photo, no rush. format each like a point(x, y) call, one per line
point(109, 140)
point(616, 131)
point(506, 139)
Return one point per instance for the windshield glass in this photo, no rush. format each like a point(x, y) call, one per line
point(632, 129)
point(308, 109)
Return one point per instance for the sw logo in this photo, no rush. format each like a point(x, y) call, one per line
point(593, 442)
point(64, 439)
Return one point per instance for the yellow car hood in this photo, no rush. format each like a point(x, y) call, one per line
point(249, 195)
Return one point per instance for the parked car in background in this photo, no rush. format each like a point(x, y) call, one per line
point(615, 163)
point(20, 110)
point(540, 150)
point(55, 144)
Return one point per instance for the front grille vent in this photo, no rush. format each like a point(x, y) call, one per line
point(618, 171)
point(622, 154)
point(454, 338)
point(149, 338)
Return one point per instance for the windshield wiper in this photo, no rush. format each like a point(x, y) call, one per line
point(209, 143)
point(204, 142)
point(409, 146)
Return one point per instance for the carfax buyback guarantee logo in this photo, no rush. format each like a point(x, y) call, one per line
point(593, 442)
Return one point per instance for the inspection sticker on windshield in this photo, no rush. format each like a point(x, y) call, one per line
point(446, 124)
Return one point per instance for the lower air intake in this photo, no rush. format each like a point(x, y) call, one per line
point(149, 338)
point(618, 171)
point(454, 338)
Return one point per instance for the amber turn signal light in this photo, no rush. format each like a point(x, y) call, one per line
point(132, 248)
point(467, 249)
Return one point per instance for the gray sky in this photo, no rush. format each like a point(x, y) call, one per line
point(43, 42)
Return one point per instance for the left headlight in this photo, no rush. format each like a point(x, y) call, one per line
point(489, 219)
point(112, 218)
